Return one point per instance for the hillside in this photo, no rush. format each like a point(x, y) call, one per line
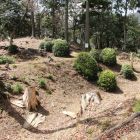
point(66, 87)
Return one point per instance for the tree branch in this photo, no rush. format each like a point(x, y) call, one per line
point(132, 117)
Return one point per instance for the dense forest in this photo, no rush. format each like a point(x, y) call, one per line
point(102, 23)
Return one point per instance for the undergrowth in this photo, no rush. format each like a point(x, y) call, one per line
point(137, 106)
point(41, 82)
point(17, 88)
point(4, 60)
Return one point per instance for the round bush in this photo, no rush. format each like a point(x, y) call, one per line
point(127, 71)
point(48, 46)
point(108, 56)
point(47, 39)
point(86, 65)
point(41, 45)
point(58, 40)
point(107, 80)
point(95, 54)
point(61, 48)
point(13, 49)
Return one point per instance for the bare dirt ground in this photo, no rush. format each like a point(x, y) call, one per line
point(66, 87)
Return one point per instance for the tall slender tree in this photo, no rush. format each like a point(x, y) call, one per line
point(32, 6)
point(125, 17)
point(87, 24)
point(66, 20)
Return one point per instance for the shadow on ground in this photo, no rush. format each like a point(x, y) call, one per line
point(117, 91)
point(90, 121)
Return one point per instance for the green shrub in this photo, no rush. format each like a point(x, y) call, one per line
point(136, 54)
point(106, 124)
point(137, 106)
point(51, 88)
point(48, 92)
point(8, 86)
point(47, 39)
point(62, 63)
point(17, 88)
point(50, 76)
point(86, 65)
point(41, 45)
point(13, 49)
point(95, 54)
point(107, 80)
point(58, 40)
point(108, 56)
point(24, 80)
point(58, 65)
point(127, 71)
point(14, 66)
point(4, 60)
point(14, 77)
point(61, 48)
point(89, 131)
point(48, 46)
point(41, 82)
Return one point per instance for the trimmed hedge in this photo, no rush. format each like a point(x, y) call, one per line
point(61, 48)
point(95, 54)
point(107, 80)
point(127, 71)
point(47, 39)
point(48, 46)
point(86, 65)
point(108, 56)
point(41, 45)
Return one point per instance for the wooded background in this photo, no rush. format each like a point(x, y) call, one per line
point(102, 23)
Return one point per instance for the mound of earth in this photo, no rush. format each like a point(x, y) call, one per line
point(63, 92)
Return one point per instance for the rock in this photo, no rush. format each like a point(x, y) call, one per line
point(71, 114)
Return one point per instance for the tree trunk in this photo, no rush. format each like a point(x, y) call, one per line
point(53, 23)
point(87, 23)
point(100, 41)
point(16, 28)
point(29, 98)
point(32, 23)
point(66, 20)
point(39, 30)
point(131, 60)
point(125, 34)
point(107, 42)
point(132, 117)
point(74, 29)
point(11, 39)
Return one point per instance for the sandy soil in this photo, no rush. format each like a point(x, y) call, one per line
point(66, 87)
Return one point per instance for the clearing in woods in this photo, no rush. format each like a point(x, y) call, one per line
point(66, 87)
